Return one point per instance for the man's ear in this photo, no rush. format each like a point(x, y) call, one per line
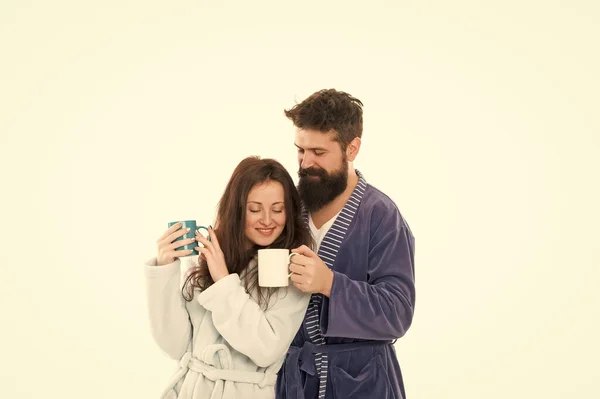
point(352, 149)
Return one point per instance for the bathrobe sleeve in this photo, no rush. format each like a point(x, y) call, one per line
point(169, 320)
point(382, 307)
point(262, 335)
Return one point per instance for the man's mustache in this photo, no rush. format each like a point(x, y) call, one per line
point(311, 172)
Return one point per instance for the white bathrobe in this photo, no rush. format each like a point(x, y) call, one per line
point(226, 345)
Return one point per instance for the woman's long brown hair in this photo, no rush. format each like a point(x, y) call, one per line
point(230, 227)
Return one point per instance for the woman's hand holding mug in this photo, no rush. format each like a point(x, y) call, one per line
point(167, 252)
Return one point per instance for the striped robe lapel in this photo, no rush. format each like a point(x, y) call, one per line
point(328, 252)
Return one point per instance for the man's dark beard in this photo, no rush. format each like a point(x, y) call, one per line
point(316, 193)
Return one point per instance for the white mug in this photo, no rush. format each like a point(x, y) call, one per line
point(273, 267)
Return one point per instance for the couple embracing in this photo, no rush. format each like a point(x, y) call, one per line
point(330, 332)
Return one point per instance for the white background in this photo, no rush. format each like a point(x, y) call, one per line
point(481, 122)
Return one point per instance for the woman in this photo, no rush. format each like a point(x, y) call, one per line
point(229, 335)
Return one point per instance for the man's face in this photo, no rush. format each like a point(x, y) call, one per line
point(323, 170)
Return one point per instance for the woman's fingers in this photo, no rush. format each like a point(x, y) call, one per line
point(181, 243)
point(183, 252)
point(206, 254)
point(165, 258)
point(207, 244)
point(169, 231)
point(173, 236)
point(213, 239)
point(173, 232)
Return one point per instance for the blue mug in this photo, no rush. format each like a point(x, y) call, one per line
point(191, 224)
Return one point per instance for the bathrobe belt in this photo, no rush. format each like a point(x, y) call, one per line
point(214, 374)
point(205, 365)
point(302, 359)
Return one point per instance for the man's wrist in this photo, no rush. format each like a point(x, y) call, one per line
point(326, 291)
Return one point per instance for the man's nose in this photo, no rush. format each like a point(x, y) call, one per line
point(307, 161)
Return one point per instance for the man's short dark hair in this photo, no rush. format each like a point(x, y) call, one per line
point(330, 110)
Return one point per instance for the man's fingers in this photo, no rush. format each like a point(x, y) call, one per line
point(303, 280)
point(297, 269)
point(299, 282)
point(299, 260)
point(303, 250)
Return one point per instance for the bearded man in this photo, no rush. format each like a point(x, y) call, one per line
point(362, 275)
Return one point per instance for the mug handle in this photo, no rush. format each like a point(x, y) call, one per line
point(205, 228)
point(289, 258)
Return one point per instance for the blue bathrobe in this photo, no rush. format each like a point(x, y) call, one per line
point(344, 348)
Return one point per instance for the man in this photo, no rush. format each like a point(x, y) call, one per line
point(362, 276)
